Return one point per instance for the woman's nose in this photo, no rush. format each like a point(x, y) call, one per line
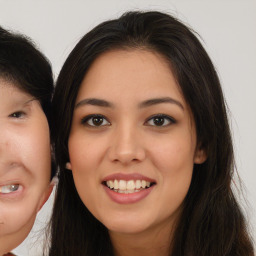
point(126, 146)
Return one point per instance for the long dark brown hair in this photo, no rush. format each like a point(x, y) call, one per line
point(211, 223)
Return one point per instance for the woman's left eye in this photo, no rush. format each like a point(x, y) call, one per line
point(95, 121)
point(9, 188)
point(160, 120)
point(17, 114)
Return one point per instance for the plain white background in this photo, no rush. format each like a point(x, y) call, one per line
point(228, 33)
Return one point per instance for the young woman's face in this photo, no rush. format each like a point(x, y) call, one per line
point(25, 164)
point(132, 144)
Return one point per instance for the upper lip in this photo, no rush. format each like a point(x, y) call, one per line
point(127, 177)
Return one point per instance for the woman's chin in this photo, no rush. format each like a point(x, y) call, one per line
point(126, 230)
point(127, 227)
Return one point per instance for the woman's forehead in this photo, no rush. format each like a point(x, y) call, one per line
point(130, 72)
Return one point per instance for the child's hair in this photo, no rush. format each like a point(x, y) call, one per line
point(211, 223)
point(24, 66)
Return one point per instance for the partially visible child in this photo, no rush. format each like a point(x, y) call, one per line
point(26, 167)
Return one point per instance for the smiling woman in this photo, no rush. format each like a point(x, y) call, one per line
point(143, 135)
point(143, 146)
point(26, 87)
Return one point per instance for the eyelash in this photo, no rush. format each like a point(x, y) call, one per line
point(164, 118)
point(87, 119)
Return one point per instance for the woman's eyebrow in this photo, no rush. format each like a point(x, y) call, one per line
point(146, 103)
point(150, 102)
point(94, 102)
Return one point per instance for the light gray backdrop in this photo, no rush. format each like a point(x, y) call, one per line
point(228, 31)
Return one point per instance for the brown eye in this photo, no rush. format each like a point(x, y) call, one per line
point(160, 120)
point(95, 121)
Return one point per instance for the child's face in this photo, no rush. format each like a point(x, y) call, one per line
point(25, 164)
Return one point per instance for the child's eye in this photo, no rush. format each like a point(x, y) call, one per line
point(9, 188)
point(95, 121)
point(17, 114)
point(160, 120)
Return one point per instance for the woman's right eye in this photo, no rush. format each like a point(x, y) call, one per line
point(95, 121)
point(17, 114)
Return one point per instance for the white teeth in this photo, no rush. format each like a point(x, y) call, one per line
point(131, 186)
point(122, 185)
point(116, 184)
point(110, 184)
point(138, 184)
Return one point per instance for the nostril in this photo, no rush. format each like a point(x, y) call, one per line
point(126, 151)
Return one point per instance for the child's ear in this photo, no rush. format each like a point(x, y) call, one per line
point(68, 166)
point(47, 193)
point(200, 155)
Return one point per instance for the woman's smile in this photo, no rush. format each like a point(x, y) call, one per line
point(127, 188)
point(130, 117)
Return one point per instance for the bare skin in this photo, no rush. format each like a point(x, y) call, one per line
point(154, 242)
point(131, 124)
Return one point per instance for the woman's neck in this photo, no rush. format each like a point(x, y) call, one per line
point(155, 241)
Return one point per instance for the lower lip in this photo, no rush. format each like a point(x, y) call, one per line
point(130, 198)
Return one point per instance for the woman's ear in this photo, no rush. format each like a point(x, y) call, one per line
point(200, 155)
point(68, 166)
